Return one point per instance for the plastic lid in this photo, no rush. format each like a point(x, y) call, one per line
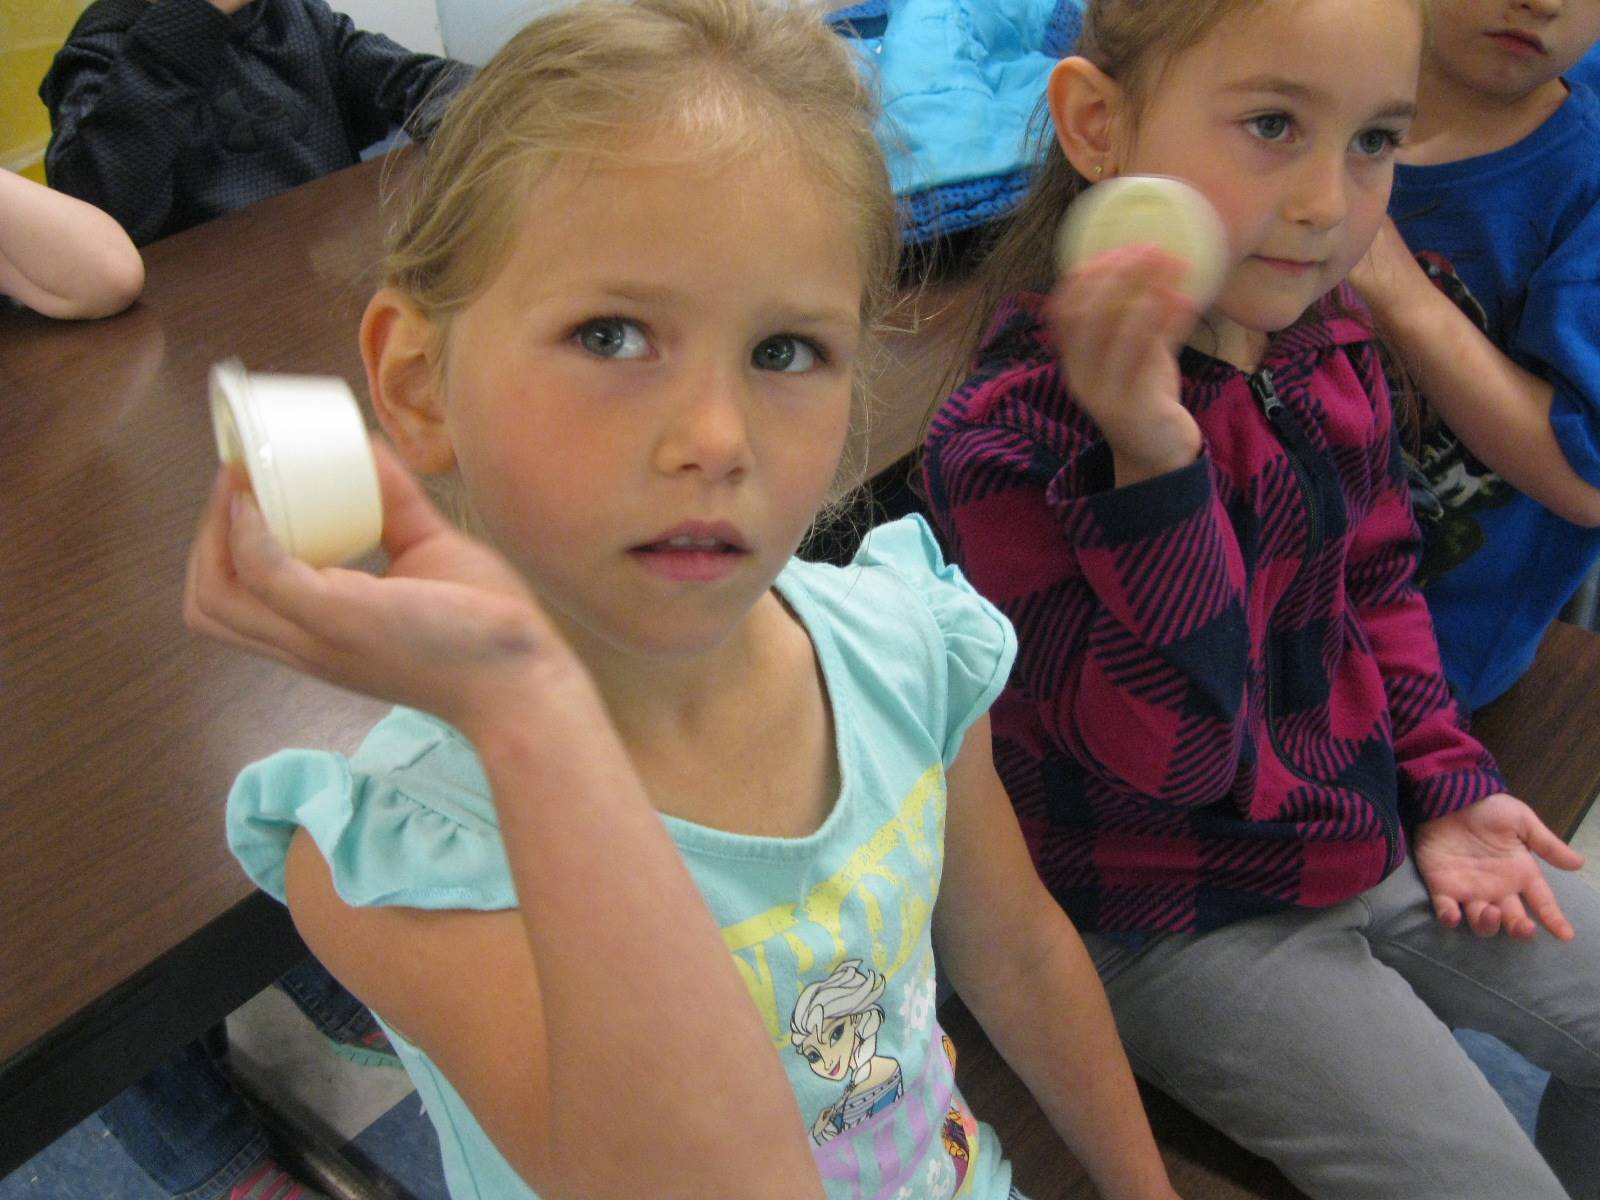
point(303, 443)
point(1154, 209)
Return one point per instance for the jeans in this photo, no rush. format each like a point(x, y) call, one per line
point(186, 1126)
point(1321, 1040)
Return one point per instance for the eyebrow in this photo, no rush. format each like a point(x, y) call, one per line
point(1294, 90)
point(644, 293)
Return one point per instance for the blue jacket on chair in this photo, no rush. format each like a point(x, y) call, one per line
point(960, 83)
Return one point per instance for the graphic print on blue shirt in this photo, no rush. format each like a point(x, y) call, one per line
point(835, 1029)
point(871, 1067)
point(1449, 484)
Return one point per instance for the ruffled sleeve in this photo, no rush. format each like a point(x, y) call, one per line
point(979, 645)
point(408, 821)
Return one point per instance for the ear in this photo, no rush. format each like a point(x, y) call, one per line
point(400, 346)
point(1084, 104)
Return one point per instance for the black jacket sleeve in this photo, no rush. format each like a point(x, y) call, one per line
point(382, 85)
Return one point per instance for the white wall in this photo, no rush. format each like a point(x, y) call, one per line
point(470, 30)
point(412, 23)
point(474, 29)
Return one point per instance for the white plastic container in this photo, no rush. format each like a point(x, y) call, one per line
point(303, 443)
point(1156, 209)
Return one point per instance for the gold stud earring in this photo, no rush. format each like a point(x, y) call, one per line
point(1099, 169)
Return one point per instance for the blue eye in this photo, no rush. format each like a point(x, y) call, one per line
point(1375, 143)
point(785, 353)
point(612, 337)
point(1271, 127)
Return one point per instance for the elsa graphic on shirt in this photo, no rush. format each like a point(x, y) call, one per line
point(835, 1029)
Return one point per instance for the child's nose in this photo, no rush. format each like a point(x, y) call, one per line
point(707, 430)
point(1318, 198)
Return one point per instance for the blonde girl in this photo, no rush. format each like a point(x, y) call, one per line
point(639, 743)
point(1228, 738)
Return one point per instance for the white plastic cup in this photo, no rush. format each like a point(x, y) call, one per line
point(303, 443)
point(1157, 209)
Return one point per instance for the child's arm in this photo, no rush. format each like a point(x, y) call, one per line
point(600, 1032)
point(1474, 844)
point(383, 84)
point(1500, 411)
point(125, 99)
point(1020, 967)
point(62, 257)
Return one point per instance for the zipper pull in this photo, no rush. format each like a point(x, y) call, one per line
point(1266, 394)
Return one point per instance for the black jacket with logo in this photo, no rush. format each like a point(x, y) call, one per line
point(170, 113)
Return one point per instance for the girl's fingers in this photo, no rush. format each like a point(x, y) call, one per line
point(1483, 917)
point(1115, 319)
point(1543, 842)
point(1446, 910)
point(408, 515)
point(1543, 902)
point(252, 591)
point(1514, 919)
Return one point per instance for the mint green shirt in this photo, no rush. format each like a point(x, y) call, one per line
point(830, 932)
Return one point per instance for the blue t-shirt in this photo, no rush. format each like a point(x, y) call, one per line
point(1514, 238)
point(835, 924)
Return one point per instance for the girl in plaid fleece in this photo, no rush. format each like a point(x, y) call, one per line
point(1234, 756)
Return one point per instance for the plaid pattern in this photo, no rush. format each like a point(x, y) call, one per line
point(1227, 698)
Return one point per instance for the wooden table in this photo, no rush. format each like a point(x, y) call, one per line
point(126, 927)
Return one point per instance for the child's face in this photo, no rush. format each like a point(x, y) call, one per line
point(1287, 118)
point(649, 403)
point(1509, 47)
point(830, 1049)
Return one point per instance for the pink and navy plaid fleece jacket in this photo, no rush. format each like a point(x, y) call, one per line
point(1227, 698)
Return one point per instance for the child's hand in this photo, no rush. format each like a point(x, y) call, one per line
point(1119, 319)
point(1386, 273)
point(450, 628)
point(1479, 860)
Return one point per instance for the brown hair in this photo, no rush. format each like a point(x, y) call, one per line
point(597, 79)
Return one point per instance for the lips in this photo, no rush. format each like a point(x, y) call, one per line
point(694, 552)
point(1290, 266)
point(1518, 39)
point(696, 537)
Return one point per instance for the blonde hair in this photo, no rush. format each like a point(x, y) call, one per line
point(596, 80)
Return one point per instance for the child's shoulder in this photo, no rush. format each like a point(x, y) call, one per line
point(408, 819)
point(1014, 378)
point(898, 570)
point(1582, 110)
point(900, 607)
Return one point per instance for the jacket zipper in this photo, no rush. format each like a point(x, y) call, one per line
point(1289, 437)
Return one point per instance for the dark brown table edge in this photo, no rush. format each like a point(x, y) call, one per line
point(54, 1083)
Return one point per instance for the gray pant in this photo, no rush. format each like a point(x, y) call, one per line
point(1321, 1040)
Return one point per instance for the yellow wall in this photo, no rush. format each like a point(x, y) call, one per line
point(31, 31)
